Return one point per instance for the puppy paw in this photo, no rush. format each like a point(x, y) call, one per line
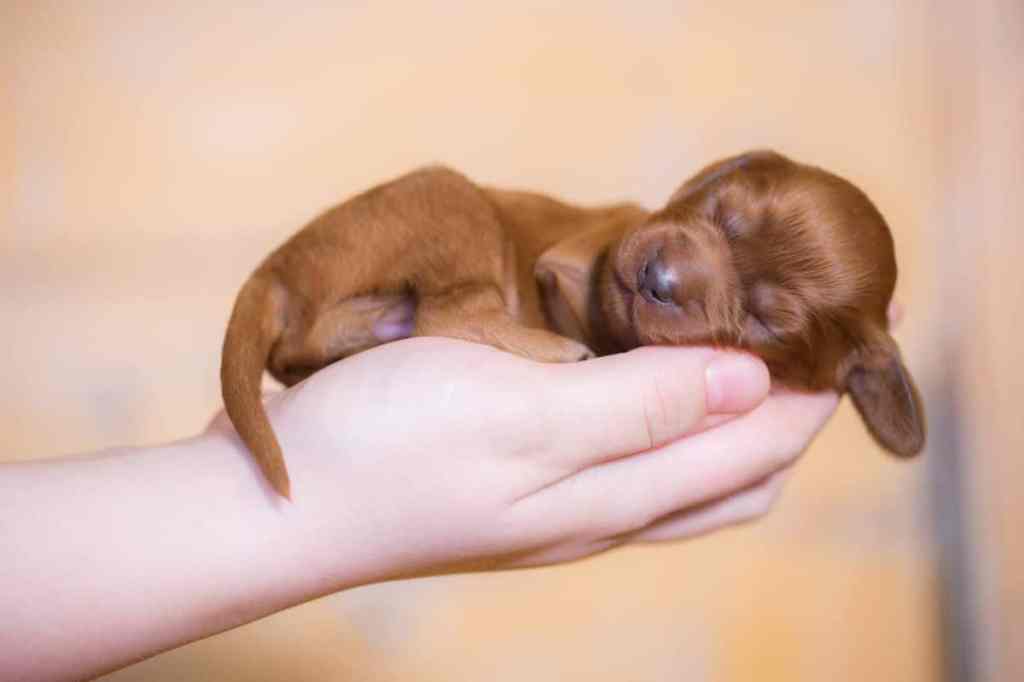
point(586, 354)
point(573, 351)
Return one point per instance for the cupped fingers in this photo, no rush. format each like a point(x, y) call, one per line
point(634, 492)
point(742, 507)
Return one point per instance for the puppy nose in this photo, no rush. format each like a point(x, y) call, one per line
point(659, 281)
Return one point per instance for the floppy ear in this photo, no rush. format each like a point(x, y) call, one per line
point(712, 172)
point(885, 395)
point(566, 276)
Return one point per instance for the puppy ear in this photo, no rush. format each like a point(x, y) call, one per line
point(885, 395)
point(566, 276)
point(712, 172)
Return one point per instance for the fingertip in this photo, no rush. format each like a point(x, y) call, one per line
point(735, 383)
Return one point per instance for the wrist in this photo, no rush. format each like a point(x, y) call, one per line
point(162, 546)
point(267, 553)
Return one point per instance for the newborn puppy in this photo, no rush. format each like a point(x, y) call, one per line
point(755, 252)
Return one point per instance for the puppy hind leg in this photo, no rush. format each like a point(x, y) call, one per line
point(369, 321)
point(351, 326)
point(477, 313)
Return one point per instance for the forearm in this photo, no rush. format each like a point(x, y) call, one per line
point(143, 550)
point(402, 463)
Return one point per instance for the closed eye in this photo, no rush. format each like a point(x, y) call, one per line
point(733, 226)
point(760, 327)
point(759, 320)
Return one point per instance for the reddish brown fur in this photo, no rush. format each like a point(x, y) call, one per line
point(756, 252)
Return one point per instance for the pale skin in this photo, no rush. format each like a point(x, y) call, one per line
point(418, 457)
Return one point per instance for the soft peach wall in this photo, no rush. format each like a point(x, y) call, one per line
point(150, 155)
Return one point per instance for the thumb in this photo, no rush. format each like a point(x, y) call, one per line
point(631, 402)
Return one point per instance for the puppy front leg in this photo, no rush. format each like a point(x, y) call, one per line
point(476, 312)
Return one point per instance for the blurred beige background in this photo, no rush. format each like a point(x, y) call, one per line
point(152, 153)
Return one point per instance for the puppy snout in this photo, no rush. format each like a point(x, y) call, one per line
point(658, 280)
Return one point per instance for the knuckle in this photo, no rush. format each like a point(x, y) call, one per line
point(664, 412)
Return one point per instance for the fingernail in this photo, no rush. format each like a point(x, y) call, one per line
point(735, 382)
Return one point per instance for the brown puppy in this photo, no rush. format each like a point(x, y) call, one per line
point(756, 252)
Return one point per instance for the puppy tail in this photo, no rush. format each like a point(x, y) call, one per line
point(255, 326)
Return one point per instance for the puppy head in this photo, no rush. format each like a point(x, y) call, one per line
point(785, 260)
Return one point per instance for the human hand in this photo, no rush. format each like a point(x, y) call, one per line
point(421, 456)
point(433, 455)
